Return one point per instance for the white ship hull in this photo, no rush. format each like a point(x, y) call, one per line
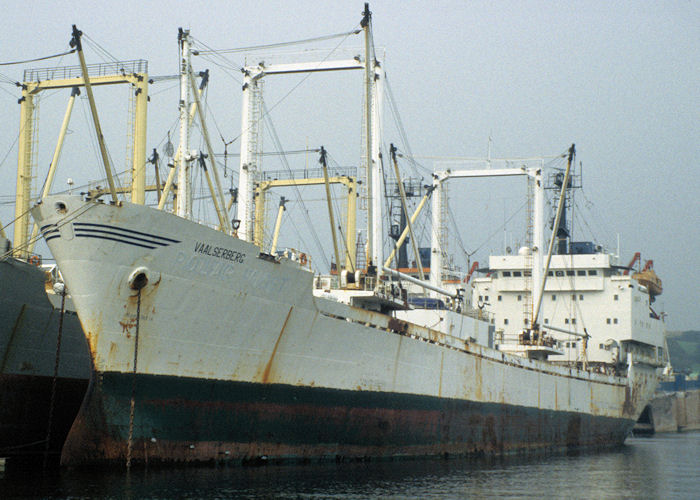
point(235, 359)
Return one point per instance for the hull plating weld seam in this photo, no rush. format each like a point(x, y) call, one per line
point(476, 354)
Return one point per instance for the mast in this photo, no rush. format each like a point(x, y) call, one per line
point(368, 135)
point(138, 169)
point(435, 235)
point(75, 42)
point(377, 167)
point(184, 195)
point(251, 122)
point(54, 161)
point(322, 161)
point(560, 208)
point(278, 223)
point(373, 94)
point(404, 206)
point(175, 169)
point(404, 234)
point(24, 173)
point(217, 194)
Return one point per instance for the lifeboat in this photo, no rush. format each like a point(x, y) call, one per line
point(649, 279)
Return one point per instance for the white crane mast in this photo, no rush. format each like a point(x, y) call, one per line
point(248, 166)
point(436, 244)
point(377, 247)
point(184, 195)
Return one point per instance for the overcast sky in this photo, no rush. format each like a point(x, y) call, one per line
point(619, 79)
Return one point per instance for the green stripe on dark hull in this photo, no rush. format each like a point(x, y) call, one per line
point(187, 419)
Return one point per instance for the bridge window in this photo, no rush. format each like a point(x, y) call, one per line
point(581, 272)
point(616, 297)
point(520, 298)
point(592, 272)
point(517, 274)
point(500, 297)
point(570, 273)
point(506, 274)
point(505, 321)
point(607, 320)
point(554, 297)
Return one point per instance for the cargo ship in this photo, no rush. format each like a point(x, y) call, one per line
point(44, 363)
point(206, 348)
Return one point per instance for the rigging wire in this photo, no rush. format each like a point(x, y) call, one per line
point(301, 81)
point(305, 211)
point(276, 153)
point(282, 44)
point(399, 125)
point(95, 147)
point(500, 228)
point(297, 85)
point(99, 49)
point(7, 91)
point(604, 225)
point(12, 146)
point(459, 237)
point(6, 79)
point(226, 66)
point(37, 59)
point(266, 117)
point(581, 220)
point(162, 90)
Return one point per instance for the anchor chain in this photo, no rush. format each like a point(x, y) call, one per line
point(55, 377)
point(130, 441)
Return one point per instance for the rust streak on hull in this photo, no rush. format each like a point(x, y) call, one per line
point(268, 367)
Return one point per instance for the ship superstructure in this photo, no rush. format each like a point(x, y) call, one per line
point(605, 312)
point(593, 309)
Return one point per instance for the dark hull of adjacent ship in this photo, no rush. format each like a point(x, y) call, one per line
point(37, 403)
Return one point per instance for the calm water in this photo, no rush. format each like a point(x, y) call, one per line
point(664, 466)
